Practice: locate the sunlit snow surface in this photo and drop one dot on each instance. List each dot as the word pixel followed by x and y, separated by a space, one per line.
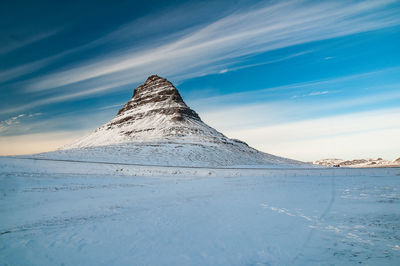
pixel 54 213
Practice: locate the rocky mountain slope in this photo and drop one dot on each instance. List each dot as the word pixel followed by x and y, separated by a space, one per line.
pixel 157 127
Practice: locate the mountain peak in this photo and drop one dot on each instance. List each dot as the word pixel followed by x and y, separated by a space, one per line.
pixel 153 78
pixel 156 126
pixel 158 95
pixel 156 112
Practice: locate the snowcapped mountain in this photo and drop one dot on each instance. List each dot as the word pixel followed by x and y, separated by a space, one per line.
pixel 157 127
pixel 155 113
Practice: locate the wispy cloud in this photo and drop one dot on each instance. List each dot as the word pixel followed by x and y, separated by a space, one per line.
pixel 262 29
pixel 113 106
pixel 24 69
pixel 361 81
pixel 313 93
pixel 364 134
pixel 225 117
pixel 65 96
pixel 12 121
pixel 13 42
pixel 265 63
pixel 36 65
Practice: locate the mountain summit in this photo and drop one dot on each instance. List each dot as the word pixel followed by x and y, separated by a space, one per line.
pixel 156 112
pixel 156 127
pixel 159 95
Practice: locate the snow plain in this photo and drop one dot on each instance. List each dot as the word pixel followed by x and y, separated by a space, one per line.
pixel 74 213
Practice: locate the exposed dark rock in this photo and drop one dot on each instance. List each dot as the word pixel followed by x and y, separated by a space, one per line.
pixel 157 90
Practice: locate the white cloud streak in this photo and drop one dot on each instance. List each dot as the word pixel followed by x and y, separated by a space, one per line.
pixel 265 63
pixel 30 67
pixel 6 124
pixel 21 70
pixel 14 43
pixel 264 29
pixel 12 120
pixel 60 98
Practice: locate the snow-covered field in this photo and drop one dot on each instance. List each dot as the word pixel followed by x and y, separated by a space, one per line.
pixel 182 153
pixel 74 213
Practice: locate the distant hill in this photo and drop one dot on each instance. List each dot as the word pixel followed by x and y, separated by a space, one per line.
pixel 379 162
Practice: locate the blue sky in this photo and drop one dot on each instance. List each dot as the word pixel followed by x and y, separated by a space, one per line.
pixel 303 79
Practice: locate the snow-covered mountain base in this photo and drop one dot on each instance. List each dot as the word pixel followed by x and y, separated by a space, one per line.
pixel 156 127
pixel 175 154
pixel 75 213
